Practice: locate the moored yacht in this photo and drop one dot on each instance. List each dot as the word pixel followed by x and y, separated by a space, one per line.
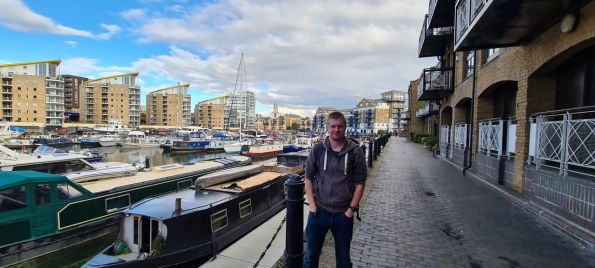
pixel 110 140
pixel 114 126
pixel 42 160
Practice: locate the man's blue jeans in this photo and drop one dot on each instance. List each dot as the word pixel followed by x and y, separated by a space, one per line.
pixel 318 225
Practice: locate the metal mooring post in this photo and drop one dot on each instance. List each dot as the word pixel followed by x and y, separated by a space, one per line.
pixel 294 246
pixel 370 153
pixel 376 149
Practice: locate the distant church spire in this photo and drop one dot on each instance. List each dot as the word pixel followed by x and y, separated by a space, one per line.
pixel 275 111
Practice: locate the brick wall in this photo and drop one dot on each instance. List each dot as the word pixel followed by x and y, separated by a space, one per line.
pixel 566 197
pixel 416 125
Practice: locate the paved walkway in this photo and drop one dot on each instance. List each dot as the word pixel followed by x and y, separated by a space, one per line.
pixel 422 212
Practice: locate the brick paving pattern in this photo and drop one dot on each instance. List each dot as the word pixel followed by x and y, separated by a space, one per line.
pixel 422 212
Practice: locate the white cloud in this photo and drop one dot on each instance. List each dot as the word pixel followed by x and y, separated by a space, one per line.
pixel 112 29
pixel 299 54
pixel 133 14
pixel 90 68
pixel 175 8
pixel 71 43
pixel 17 16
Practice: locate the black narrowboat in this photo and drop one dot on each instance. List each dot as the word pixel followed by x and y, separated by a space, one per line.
pixel 174 229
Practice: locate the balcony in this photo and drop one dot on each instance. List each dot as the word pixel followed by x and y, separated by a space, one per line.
pixel 431 108
pixel 433 41
pixel 435 84
pixel 482 24
pixel 405 115
pixel 441 13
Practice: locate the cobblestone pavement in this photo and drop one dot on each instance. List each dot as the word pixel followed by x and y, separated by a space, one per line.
pixel 422 212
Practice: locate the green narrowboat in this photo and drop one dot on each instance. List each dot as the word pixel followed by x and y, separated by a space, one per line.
pixel 41 212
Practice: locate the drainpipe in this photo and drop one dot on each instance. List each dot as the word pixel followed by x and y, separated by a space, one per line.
pixel 472 110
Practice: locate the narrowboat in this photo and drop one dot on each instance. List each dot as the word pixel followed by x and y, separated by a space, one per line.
pixel 53 142
pixel 189 147
pixel 46 212
pixel 264 149
pixel 216 146
pixel 90 139
pixel 177 228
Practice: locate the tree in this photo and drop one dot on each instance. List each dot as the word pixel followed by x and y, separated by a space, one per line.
pixel 294 126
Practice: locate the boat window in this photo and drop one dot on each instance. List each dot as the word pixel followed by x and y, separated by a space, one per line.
pixel 66 192
pixel 219 220
pixel 12 199
pixel 184 184
pixel 245 208
pixel 135 230
pixel 282 159
pixel 117 203
pixel 42 194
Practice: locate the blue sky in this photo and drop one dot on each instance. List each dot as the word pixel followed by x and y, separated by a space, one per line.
pixel 300 54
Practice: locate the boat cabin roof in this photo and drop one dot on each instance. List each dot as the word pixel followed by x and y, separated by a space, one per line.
pixel 157 173
pixel 162 207
pixel 16 178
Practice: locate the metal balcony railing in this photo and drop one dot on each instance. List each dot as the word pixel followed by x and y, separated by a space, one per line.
pixel 432 41
pixel 462 135
pixel 435 83
pixel 564 140
pixel 491 137
pixel 445 135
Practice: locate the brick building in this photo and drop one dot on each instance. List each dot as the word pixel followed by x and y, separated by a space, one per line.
pixel 116 96
pixel 514 93
pixel 169 106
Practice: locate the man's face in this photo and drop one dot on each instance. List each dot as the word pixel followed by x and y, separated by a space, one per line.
pixel 336 129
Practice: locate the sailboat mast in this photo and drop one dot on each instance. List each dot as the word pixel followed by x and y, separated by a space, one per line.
pixel 235 97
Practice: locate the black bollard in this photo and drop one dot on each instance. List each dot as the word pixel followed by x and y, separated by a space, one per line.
pixel 147 163
pixel 375 150
pixel 370 153
pixel 294 245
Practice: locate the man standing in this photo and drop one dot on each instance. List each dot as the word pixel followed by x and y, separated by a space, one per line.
pixel 335 176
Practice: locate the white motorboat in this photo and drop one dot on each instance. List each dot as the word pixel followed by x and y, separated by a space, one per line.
pixel 104 170
pixel 110 140
pixel 7 131
pixel 43 160
pixel 114 126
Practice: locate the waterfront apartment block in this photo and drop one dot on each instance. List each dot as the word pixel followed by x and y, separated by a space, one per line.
pixel 71 96
pixel 116 96
pixel 369 116
pixel 212 113
pixel 32 94
pixel 512 97
pixel 320 117
pixel 243 110
pixel 396 102
pixel 169 106
pixel 71 91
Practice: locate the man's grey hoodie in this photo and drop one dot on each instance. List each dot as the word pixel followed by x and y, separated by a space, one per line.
pixel 335 180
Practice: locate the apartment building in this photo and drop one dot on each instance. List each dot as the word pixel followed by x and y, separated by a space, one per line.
pixel 320 117
pixel 369 116
pixel 212 113
pixel 396 105
pixel 243 110
pixel 71 96
pixel 116 96
pixel 32 94
pixel 512 97
pixel 169 106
